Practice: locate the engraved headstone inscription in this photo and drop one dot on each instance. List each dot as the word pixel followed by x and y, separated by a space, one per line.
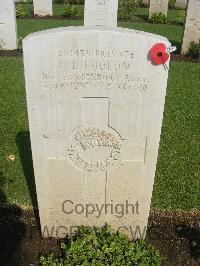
pixel 95 117
pixel 8 28
pixel 157 6
pixel 43 7
pixel 192 25
pixel 101 13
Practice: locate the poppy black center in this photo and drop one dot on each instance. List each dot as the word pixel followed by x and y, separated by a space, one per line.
pixel 159 54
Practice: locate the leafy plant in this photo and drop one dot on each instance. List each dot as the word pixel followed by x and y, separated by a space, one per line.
pixel 101 247
pixel 20 12
pixel 171 4
pixel 59 1
pixel 24 1
pixel 2 44
pixel 158 18
pixel 70 11
pixel 127 8
pixel 194 51
pixel 20 42
pixel 72 2
pixel 181 17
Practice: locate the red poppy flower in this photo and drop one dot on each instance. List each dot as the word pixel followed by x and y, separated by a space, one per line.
pixel 159 54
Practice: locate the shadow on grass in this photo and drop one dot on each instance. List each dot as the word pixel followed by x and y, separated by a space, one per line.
pixel 2 183
pixel 24 148
pixel 12 230
pixel 193 236
pixel 142 17
pixel 178 46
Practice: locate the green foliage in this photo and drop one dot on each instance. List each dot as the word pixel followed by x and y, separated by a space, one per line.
pixel 127 8
pixel 71 2
pixel 171 4
pixel 158 18
pixel 20 12
pixel 70 11
pixel 194 51
pixel 59 1
pixel 181 17
pixel 20 42
pixel 101 247
pixel 24 1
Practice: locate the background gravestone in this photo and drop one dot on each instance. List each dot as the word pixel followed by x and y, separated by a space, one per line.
pixel 181 3
pixel 192 25
pixel 8 28
pixel 158 6
pixel 101 13
pixel 95 117
pixel 43 7
pixel 145 2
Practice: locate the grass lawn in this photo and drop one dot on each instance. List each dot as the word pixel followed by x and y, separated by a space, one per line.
pixel 173 32
pixel 140 14
pixel 177 183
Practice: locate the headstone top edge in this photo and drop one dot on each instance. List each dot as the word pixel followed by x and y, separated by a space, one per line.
pixel 97 29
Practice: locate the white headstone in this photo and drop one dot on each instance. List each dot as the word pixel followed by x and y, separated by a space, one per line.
pixel 192 25
pixel 145 2
pixel 43 7
pixel 181 3
pixel 8 28
pixel 101 13
pixel 157 6
pixel 95 104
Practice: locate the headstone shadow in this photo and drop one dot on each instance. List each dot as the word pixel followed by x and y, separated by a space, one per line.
pixel 178 46
pixel 24 148
pixel 142 17
pixel 2 183
pixel 12 230
pixel 193 236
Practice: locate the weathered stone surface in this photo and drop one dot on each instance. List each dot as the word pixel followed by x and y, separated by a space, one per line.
pixel 181 3
pixel 158 6
pixel 95 104
pixel 43 7
pixel 192 25
pixel 8 28
pixel 145 2
pixel 101 13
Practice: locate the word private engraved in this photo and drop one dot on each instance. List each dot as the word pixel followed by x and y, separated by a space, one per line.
pixel 92 149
